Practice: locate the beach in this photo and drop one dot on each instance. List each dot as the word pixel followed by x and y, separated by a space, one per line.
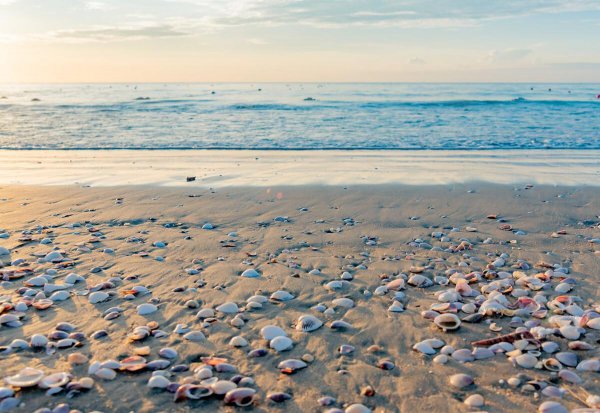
pixel 323 250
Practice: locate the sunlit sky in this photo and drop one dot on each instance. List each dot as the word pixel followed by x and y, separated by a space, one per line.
pixel 299 40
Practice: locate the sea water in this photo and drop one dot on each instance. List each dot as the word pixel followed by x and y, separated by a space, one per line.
pixel 300 116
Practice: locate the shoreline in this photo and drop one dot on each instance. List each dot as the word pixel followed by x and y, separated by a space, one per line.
pixel 231 168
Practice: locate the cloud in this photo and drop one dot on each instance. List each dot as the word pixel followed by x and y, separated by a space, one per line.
pixel 508 55
pixel 108 33
pixel 98 5
pixel 416 61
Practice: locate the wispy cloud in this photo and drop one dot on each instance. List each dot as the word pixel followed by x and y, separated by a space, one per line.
pixel 107 33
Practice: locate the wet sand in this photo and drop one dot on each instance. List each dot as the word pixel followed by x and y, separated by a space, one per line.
pixel 284 232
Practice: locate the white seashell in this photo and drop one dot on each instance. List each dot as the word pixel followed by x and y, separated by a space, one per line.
pixel 54 380
pixel 570 332
pixel 396 307
pixel 281 296
pixel 469 308
pixel 381 290
pixel 205 313
pixel 589 365
pixel 594 323
pixel 228 308
pixel 440 359
pixel 4 251
pixel 98 297
pixel 220 387
pixel 146 308
pixel 208 225
pixel 447 321
pixel 60 296
pixel 270 332
pixel 54 256
pixel 27 377
pixel 527 361
pixel 474 400
pixel 308 323
pixel 357 408
pixel 194 336
pixel 38 340
pixel 346 276
pixel 343 302
pixel 552 407
pixel 18 344
pixel 420 281
pixel 203 373
pixel 563 288
pixel 315 271
pixel 261 299
pixel 106 374
pixel 158 382
pixel 250 273
pixel 480 353
pixel 335 285
pixel 461 380
pixel 73 278
pixel 238 341
pixel 281 343
pixel 237 322
pixel 424 347
pixel 38 281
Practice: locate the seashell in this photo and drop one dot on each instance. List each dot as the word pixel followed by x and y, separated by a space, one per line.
pixel 168 353
pixel 307 323
pixel 447 322
pixel 552 407
pixel 261 299
pixel 237 322
pixel 290 366
pixel 270 332
pixel 481 353
pixel 66 343
pixel 281 343
pixel 38 341
pixel 461 381
pixel 474 400
pixel 9 403
pixel 206 313
pixel 192 391
pixel 473 318
pixel 238 341
pixel 463 355
pixel 203 373
pixel 27 377
pixel 242 396
pixel 580 346
pixel 6 392
pixel 589 365
pixel 55 380
pixel 259 352
pixel 105 373
pixel 340 325
pixel 326 401
pixel 357 408
pixel 42 304
pixel 396 307
pixel 133 364
pixel 228 308
pixel 346 276
pixel 527 361
pixel 552 391
pixel 281 296
pixel 98 297
pixel 380 291
pixel 110 364
pixel 225 368
pixel 96 335
pixel 77 358
pixel 73 278
pixel 60 296
pixel 221 387
pixel 146 308
pixel 551 364
pixel 194 336
pixel 279 397
pixel 593 323
pixel 159 364
pixel 570 332
pixel 346 349
pixel 343 302
pixel 158 382
pixel 550 346
pixel 424 347
pixel 397 284
pixel 567 358
pixel 385 364
pixel 250 273
pixel 440 359
pixel 420 281
pixel 570 376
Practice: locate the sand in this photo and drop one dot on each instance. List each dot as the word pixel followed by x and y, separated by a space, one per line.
pixel 284 253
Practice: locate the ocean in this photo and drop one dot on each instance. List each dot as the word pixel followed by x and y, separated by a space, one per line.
pixel 300 116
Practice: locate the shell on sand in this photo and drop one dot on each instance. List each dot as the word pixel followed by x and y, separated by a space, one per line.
pixel 227 308
pixel 27 377
pixel 308 323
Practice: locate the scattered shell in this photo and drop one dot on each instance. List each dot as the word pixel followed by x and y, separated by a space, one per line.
pixel 461 380
pixel 308 323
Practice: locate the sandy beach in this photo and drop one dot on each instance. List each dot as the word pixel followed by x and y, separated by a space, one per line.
pixel 348 253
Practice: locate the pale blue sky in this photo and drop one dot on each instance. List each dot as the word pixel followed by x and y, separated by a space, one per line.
pixel 299 40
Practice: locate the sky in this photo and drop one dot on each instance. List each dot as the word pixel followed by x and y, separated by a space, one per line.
pixel 299 40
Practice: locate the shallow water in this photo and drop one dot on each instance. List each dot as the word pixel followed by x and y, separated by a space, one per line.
pixel 277 116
